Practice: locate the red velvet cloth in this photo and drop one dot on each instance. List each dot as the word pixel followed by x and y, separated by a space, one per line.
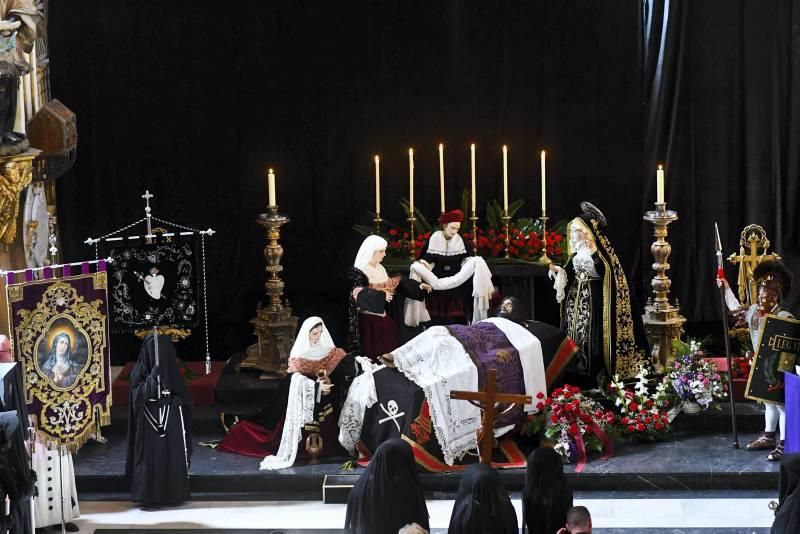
pixel 250 439
pixel 378 335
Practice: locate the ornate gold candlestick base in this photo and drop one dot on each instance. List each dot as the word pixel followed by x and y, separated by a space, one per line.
pixel 377 220
pixel 412 251
pixel 663 321
pixel 474 220
pixel 274 324
pixel 507 224
pixel 544 259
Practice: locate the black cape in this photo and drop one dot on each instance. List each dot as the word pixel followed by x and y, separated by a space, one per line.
pixel 787 516
pixel 547 495
pixel 16 477
pixel 482 504
pixel 157 465
pixel 388 495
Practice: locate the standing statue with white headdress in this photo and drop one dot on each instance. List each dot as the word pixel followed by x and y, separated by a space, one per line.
pixel 308 400
pixel 375 300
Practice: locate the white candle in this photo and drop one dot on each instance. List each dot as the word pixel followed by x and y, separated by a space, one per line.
pixel 411 182
pixel 660 185
pixel 35 78
pixel 505 179
pixel 472 162
pixel 544 186
pixel 271 187
pixel 441 176
pixel 377 185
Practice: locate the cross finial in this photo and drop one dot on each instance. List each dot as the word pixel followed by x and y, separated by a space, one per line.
pixel 147 196
pixel 53 249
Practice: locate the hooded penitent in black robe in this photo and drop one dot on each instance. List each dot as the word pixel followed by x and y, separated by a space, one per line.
pixel 482 504
pixel 787 516
pixel 388 495
pixel 547 495
pixel 158 464
pixel 16 478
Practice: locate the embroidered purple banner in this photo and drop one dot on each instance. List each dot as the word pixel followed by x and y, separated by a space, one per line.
pixel 60 331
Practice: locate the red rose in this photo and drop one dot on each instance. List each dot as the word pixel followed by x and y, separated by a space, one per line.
pixel 631 428
pixel 540 395
pixel 553 419
pixel 573 429
pixel 569 407
pixel 628 394
pixel 640 427
pixel 548 401
pixel 598 414
pixel 567 394
pixel 624 421
pixel 393 232
pixel 405 235
pixel 649 403
pixel 658 426
pixel 556 392
pixel 633 406
pixel 586 418
pixel 610 419
pixel 666 403
pixel 540 406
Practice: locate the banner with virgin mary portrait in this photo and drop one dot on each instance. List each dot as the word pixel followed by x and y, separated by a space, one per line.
pixel 59 329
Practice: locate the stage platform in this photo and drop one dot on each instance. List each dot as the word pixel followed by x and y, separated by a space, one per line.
pixel 697 457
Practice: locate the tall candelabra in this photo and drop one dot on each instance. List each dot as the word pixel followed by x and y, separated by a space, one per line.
pixel 274 324
pixel 662 320
pixel 412 252
pixel 507 224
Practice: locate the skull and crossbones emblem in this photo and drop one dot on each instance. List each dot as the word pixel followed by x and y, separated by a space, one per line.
pixel 391 410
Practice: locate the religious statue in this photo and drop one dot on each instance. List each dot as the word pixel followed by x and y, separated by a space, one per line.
pixel 20 22
pixel 596 307
pixel 773 282
pixel 443 254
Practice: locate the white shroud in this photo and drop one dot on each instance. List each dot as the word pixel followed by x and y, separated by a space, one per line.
pixel 474 267
pixel 437 363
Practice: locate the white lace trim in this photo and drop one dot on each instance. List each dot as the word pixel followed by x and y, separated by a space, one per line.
pixel 299 412
pixel 440 245
pixel 437 363
pixel 361 395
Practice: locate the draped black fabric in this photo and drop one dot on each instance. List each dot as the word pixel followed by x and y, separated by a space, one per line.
pixel 158 465
pixel 388 495
pixel 547 495
pixel 482 505
pixel 16 477
pixel 787 516
pixel 195 102
pixel 722 94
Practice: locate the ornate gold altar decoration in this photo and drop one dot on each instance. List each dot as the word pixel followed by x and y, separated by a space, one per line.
pixel 16 173
pixel 68 408
pixel 274 324
pixel 662 320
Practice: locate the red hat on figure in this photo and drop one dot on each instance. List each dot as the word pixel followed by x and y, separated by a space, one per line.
pixel 452 216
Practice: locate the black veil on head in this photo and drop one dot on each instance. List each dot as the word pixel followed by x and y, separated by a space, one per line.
pixel 482 504
pixel 171 378
pixel 547 495
pixel 388 495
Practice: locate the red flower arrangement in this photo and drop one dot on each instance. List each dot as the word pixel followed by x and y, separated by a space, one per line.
pixel 741 367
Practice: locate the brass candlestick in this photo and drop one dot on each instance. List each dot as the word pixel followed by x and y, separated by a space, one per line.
pixel 274 324
pixel 506 221
pixel 662 320
pixel 544 259
pixel 412 250
pixel 377 220
pixel 474 219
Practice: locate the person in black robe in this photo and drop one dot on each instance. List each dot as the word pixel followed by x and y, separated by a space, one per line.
pixel 388 495
pixel 482 504
pixel 547 496
pixel 787 515
pixel 159 446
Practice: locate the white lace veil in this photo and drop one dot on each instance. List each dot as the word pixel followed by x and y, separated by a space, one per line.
pixel 302 345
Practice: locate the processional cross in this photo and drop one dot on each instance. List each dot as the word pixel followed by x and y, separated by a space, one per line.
pixel 755 238
pixel 488 401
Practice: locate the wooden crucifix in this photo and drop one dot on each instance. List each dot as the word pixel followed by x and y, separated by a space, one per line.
pixel 486 401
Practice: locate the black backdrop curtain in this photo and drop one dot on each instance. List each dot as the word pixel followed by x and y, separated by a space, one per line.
pixel 194 100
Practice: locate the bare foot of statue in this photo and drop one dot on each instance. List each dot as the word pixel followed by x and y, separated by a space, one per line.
pixel 387 360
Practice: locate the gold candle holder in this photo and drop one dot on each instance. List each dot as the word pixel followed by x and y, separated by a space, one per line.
pixel 274 323
pixel 474 220
pixel 662 320
pixel 544 259
pixel 412 251
pixel 506 223
pixel 377 220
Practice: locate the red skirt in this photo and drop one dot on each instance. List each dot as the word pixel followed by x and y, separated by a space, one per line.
pixel 250 439
pixel 378 335
pixel 446 305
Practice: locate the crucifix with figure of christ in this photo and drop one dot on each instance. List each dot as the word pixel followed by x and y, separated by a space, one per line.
pixel 487 401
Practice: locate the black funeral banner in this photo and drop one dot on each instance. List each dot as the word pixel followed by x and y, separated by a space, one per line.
pixel 154 285
pixel 777 352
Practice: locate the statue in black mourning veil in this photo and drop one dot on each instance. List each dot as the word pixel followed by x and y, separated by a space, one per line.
pixel 20 23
